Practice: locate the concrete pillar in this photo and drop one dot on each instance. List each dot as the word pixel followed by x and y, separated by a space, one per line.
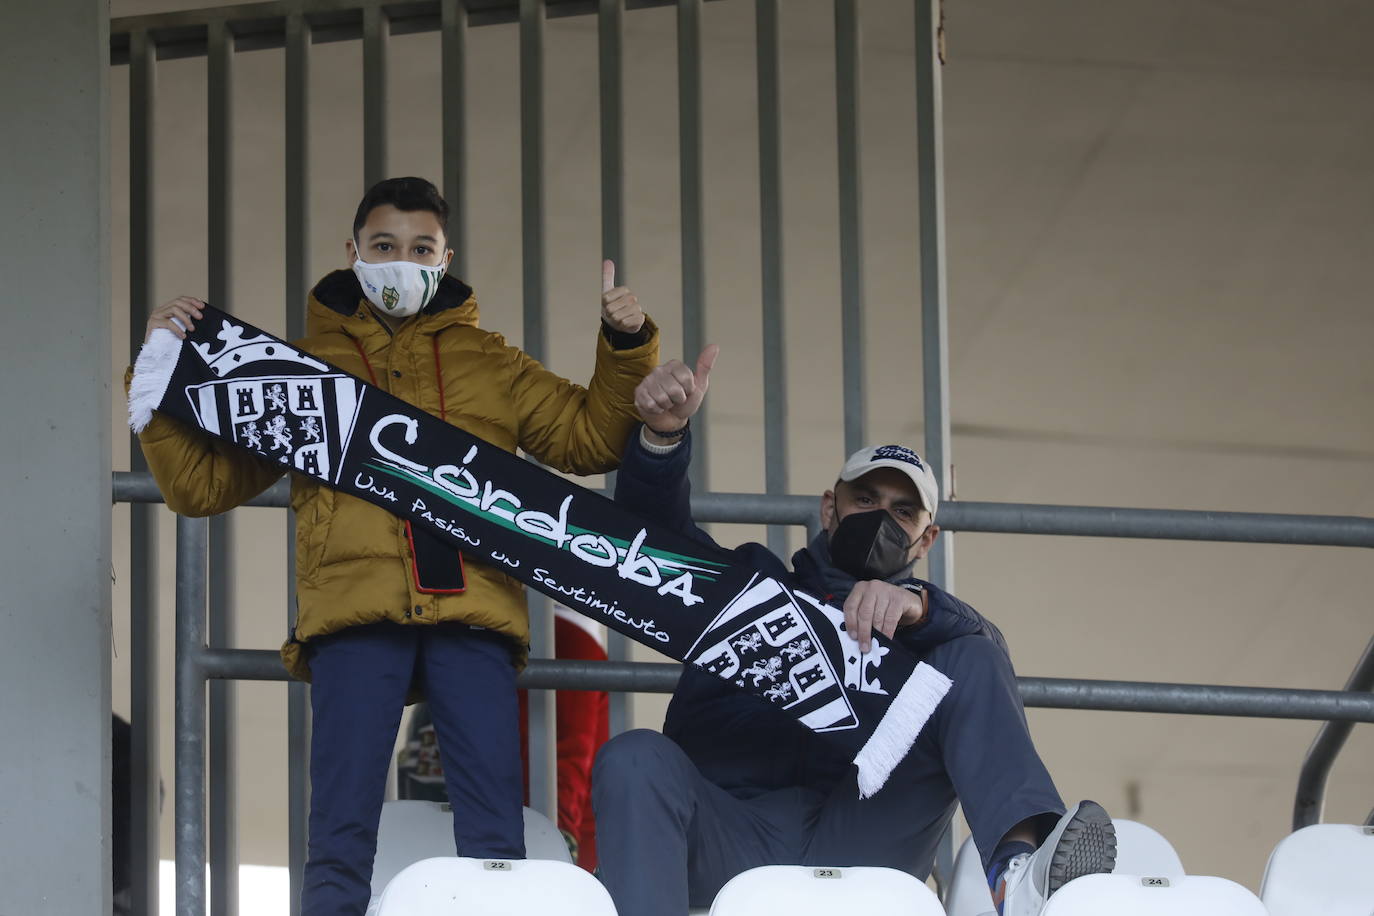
pixel 55 377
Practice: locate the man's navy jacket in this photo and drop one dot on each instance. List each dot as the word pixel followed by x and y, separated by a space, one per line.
pixel 739 741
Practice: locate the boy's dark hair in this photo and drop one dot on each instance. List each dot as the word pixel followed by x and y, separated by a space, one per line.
pixel 404 194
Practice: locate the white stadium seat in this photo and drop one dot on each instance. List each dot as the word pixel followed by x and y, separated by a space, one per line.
pixel 1325 868
pixel 800 890
pixel 968 893
pixel 1140 850
pixel 543 840
pixel 414 830
pixel 1153 895
pixel 494 887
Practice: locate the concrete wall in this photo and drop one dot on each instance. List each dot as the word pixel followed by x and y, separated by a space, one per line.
pixel 55 450
pixel 1160 215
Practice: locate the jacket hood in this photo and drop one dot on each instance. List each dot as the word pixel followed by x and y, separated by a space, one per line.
pixel 337 303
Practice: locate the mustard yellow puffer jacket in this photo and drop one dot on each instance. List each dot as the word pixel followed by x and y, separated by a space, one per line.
pixel 353 561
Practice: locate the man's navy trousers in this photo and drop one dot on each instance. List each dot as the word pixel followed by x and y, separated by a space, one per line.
pixel 670 834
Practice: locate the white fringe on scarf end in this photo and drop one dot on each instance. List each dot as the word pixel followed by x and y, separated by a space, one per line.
pixel 897 731
pixel 152 372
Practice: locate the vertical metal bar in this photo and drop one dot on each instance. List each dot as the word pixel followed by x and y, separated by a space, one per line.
pixel 222 765
pixel 376 30
pixel 618 712
pixel 610 52
pixel 942 869
pixel 693 219
pixel 610 31
pixel 934 308
pixel 219 61
pixel 543 714
pixel 851 221
pixel 297 129
pixel 770 247
pixel 191 556
pixel 143 650
pixel 1331 737
pixel 542 717
pixel 453 49
pixel 934 294
pixel 532 175
pixel 298 757
pixel 221 770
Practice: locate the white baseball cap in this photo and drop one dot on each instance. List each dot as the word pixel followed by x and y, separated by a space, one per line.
pixel 900 458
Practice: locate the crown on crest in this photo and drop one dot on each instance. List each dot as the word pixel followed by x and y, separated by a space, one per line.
pixel 238 351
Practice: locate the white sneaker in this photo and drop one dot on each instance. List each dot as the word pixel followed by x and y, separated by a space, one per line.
pixel 1082 843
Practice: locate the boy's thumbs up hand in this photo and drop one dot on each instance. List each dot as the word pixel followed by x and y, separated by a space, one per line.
pixel 619 307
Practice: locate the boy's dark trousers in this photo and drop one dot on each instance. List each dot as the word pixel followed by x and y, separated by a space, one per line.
pixel 360 678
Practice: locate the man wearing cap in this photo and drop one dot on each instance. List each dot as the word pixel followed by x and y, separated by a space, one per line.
pixel 733 784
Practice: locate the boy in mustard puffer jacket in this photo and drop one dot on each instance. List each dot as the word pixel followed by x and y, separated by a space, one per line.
pixel 383 609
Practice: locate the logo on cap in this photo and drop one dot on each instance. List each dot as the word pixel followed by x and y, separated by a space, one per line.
pixel 897 453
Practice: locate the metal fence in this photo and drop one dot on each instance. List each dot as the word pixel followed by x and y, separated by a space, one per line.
pixel 198 664
pixel 203 739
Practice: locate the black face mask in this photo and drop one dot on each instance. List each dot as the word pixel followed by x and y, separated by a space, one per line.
pixel 870 545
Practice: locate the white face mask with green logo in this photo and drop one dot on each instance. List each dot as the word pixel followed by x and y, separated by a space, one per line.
pixel 399 288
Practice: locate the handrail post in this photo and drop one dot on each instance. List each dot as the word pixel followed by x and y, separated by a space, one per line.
pixel 192 557
pixel 1316 767
pixel 934 313
pixel 220 735
pixel 543 714
pixel 143 630
pixel 297 232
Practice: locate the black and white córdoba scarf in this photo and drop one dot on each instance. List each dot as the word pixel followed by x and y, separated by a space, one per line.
pixel 686 599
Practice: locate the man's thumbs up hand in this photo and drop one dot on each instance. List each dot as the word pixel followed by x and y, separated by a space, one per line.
pixel 669 395
pixel 619 307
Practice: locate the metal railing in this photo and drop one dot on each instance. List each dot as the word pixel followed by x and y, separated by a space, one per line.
pixel 1321 756
pixel 218 33
pixel 197 663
